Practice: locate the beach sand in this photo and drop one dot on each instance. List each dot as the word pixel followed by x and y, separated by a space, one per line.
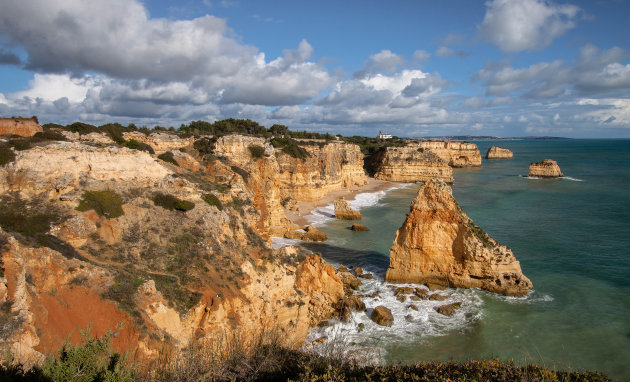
pixel 305 208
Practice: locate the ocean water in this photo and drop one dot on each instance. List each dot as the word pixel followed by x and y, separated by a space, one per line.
pixel 571 235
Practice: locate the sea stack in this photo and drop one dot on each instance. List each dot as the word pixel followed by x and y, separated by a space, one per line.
pixel 344 211
pixel 545 169
pixel 496 152
pixel 439 244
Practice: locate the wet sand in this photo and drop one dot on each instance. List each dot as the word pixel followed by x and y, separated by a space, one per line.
pixel 305 208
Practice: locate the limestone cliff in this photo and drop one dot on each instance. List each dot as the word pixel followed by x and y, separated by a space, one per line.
pixel 410 164
pixel 496 152
pixel 439 244
pixel 334 166
pixel 160 141
pixel 25 127
pixel 545 169
pixel 168 275
pixel 456 154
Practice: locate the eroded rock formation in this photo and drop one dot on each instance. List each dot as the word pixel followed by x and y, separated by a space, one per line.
pixel 456 154
pixel 344 211
pixel 25 127
pixel 439 244
pixel 545 169
pixel 496 152
pixel 410 164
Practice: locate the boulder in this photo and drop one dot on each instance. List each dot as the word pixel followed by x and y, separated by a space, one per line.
pixel 367 276
pixel 344 211
pixel 546 168
pixel 449 310
pixel 382 316
pixel 437 297
pixel 313 234
pixel 413 307
pixel 359 227
pixel 439 244
pixel 422 293
pixel 496 152
pixel 358 271
pixel 403 290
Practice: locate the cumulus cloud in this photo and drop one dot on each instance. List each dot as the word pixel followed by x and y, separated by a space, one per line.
pixel 518 25
pixel 8 58
pixel 593 72
pixel 382 62
pixel 421 55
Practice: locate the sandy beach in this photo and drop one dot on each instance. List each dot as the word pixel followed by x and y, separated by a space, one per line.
pixel 305 208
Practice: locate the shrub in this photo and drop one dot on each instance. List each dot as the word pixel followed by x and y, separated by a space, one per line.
pixel 290 147
pixel 20 144
pixel 205 145
pixel 92 360
pixel 244 174
pixel 6 155
pixel 48 135
pixel 256 151
pixel 212 200
pixel 168 157
pixel 82 128
pixel 171 203
pixel 115 131
pixel 106 203
pixel 135 145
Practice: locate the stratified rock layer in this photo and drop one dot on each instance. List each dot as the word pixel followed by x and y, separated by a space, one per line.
pixel 344 211
pixel 410 164
pixel 456 154
pixel 545 169
pixel 25 127
pixel 496 152
pixel 439 244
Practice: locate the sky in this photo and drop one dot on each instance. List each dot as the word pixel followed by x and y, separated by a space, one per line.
pixel 410 68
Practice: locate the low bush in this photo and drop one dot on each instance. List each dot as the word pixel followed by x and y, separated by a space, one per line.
pixel 212 200
pixel 106 203
pixel 205 145
pixel 20 144
pixel 48 135
pixel 168 157
pixel 135 145
pixel 244 174
pixel 171 203
pixel 291 147
pixel 6 154
pixel 256 151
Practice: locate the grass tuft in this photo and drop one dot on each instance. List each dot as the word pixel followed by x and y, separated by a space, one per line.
pixel 171 202
pixel 106 203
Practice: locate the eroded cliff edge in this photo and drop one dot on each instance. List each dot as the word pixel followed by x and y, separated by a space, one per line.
pixel 438 243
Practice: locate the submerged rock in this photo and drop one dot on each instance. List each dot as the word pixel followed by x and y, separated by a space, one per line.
pixel 439 244
pixel 344 211
pixel 359 227
pixel 545 169
pixel 382 316
pixel 449 310
pixel 496 152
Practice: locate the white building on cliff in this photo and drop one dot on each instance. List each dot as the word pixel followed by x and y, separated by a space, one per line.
pixel 383 136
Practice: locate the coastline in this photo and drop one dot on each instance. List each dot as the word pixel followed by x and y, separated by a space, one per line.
pixel 306 208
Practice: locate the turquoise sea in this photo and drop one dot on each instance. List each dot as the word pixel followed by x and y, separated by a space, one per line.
pixel 571 235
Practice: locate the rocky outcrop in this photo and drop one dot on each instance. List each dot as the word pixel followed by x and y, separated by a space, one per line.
pixel 333 166
pixel 25 127
pixel 382 316
pixel 359 227
pixel 449 309
pixel 344 211
pixel 439 244
pixel 160 142
pixel 496 152
pixel 456 154
pixel 545 169
pixel 410 164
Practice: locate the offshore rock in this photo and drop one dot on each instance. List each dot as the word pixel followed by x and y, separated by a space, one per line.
pixel 496 152
pixel 545 169
pixel 449 309
pixel 382 316
pixel 410 164
pixel 456 154
pixel 344 211
pixel 25 127
pixel 439 244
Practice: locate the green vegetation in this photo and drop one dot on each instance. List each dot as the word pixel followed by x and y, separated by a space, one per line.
pixel 122 290
pixel 6 154
pixel 256 151
pixel 177 295
pixel 168 157
pixel 93 359
pixel 18 216
pixel 135 145
pixel 291 147
pixel 48 135
pixel 106 203
pixel 370 146
pixel 244 174
pixel 212 200
pixel 205 146
pixel 171 203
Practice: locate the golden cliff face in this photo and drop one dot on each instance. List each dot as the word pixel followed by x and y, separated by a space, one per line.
pixel 335 166
pixel 411 164
pixel 160 142
pixel 178 275
pixel 545 169
pixel 25 127
pixel 496 152
pixel 456 154
pixel 439 244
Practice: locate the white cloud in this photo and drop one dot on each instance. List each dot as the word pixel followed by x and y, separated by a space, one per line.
pixel 421 55
pixel 382 62
pixel 50 87
pixel 518 25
